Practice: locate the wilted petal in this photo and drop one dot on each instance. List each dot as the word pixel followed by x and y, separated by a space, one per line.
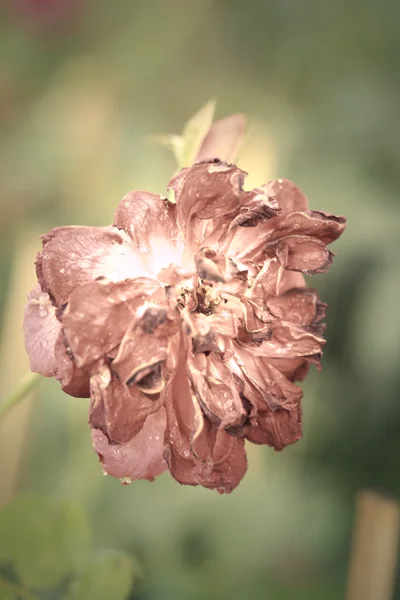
pixel 123 410
pixel 42 329
pixel 200 214
pixel 216 391
pixel 298 305
pixel 256 207
pixel 303 253
pixel 190 437
pixel 150 221
pixel 287 195
pixel 277 429
pixel 73 256
pixel 141 457
pixel 98 314
pixel 230 464
pixel 326 227
pixel 140 360
pixel 74 380
pixel 223 139
pixel 290 341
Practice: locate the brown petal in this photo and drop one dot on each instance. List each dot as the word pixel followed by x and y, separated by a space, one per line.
pixel 98 314
pixel 223 139
pixel 323 226
pixel 140 359
pixel 216 391
pixel 277 429
pixel 73 256
pixel 124 411
pixel 205 194
pixel 74 381
pixel 41 328
pixel 190 438
pixel 303 253
pixel 287 195
pixel 230 464
pixel 256 207
pixel 268 387
pixel 139 458
pixel 150 221
pixel 290 341
pixel 298 306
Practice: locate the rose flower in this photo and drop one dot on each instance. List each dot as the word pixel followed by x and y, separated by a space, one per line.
pixel 186 323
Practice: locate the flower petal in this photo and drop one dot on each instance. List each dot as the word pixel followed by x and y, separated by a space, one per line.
pixel 74 381
pixel 223 139
pixel 287 195
pixel 150 221
pixel 141 457
pixel 42 329
pixel 120 413
pixel 140 359
pixel 277 429
pixel 326 227
pixel 73 256
pixel 199 215
pixel 298 305
pixel 99 313
pixel 303 253
pixel 216 391
pixel 230 464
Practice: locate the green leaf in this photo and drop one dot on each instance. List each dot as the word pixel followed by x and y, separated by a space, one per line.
pixel 107 575
pixel 194 133
pixel 44 540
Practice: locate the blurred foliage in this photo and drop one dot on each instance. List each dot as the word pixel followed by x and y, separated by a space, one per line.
pixel 84 89
pixel 47 545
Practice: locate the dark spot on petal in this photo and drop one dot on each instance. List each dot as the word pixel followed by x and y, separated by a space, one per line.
pixel 152 318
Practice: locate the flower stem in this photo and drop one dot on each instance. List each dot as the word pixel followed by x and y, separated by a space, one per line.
pixel 26 385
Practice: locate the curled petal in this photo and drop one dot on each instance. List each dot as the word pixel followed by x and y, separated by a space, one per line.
pixel 303 253
pixel 287 195
pixel 223 139
pixel 74 380
pixel 277 429
pixel 256 207
pixel 99 313
pixel 298 305
pixel 326 227
pixel 73 256
pixel 41 328
pixel 230 464
pixel 216 391
pixel 118 411
pixel 140 359
pixel 139 458
pixel 290 341
pixel 200 215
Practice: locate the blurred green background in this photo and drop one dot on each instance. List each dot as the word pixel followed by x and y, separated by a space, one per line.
pixel 83 87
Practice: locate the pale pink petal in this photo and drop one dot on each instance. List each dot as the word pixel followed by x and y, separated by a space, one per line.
pixel 72 256
pixel 42 329
pixel 223 139
pixel 141 457
pixel 150 221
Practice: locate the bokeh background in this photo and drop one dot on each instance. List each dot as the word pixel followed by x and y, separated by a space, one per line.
pixel 84 88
